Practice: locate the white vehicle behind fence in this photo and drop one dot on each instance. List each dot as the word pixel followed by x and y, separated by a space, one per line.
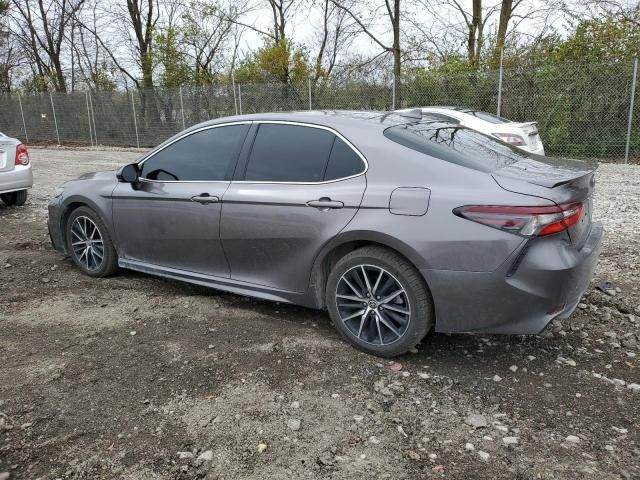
pixel 522 135
pixel 15 171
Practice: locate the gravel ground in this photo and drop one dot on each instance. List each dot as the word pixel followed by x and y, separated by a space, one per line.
pixel 136 377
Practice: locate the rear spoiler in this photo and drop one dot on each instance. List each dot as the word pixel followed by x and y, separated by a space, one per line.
pixel 525 124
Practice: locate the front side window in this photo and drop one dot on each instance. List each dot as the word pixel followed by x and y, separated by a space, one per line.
pixel 207 155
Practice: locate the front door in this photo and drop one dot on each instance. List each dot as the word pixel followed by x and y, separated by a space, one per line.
pixel 171 218
pixel 300 185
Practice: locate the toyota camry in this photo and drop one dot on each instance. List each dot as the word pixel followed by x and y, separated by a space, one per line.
pixel 395 223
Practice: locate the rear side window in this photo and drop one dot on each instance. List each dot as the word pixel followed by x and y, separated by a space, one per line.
pixel 289 153
pixel 207 155
pixel 343 162
pixel 458 145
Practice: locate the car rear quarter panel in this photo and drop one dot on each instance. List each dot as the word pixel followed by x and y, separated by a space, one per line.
pixel 440 239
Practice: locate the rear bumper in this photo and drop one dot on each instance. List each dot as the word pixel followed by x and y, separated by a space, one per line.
pixel 20 178
pixel 542 280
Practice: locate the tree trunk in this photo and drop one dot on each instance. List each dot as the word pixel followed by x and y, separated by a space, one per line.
pixel 60 82
pixel 397 59
pixel 505 16
pixel 475 32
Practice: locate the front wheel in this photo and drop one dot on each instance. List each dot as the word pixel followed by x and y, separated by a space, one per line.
pixel 379 302
pixel 89 243
pixel 15 198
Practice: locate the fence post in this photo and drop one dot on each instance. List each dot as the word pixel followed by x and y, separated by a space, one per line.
pixel 95 130
pixel 500 85
pixel 86 96
pixel 309 83
pixel 55 120
pixel 24 124
pixel 633 97
pixel 393 93
pixel 182 108
pixel 240 99
pixel 233 87
pixel 135 121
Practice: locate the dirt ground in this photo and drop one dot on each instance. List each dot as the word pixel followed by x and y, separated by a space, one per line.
pixel 135 377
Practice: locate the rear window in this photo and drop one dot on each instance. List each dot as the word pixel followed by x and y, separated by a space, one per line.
pixel 454 144
pixel 487 117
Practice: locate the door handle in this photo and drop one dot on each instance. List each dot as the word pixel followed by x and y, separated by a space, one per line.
pixel 325 203
pixel 205 198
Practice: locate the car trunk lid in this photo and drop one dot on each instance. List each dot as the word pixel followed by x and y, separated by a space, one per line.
pixel 562 181
pixel 7 154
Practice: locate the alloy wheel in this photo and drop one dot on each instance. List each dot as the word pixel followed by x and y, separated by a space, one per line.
pixel 87 243
pixel 373 305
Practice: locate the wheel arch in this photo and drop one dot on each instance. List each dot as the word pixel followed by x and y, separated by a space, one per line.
pixel 73 203
pixel 341 245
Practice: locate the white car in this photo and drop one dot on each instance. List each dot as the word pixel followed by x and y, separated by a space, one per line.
pixel 522 135
pixel 15 171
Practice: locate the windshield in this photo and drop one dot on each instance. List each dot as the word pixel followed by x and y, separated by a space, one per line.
pixel 456 144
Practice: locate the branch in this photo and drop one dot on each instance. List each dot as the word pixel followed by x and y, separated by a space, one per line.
pixel 362 26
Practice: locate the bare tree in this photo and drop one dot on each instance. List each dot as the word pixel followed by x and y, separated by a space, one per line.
pixel 143 16
pixel 207 34
pixel 281 13
pixel 336 34
pixel 280 10
pixel 41 25
pixel 393 16
pixel 4 44
pixel 89 56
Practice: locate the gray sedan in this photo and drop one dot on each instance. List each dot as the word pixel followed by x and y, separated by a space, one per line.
pixel 395 223
pixel 15 171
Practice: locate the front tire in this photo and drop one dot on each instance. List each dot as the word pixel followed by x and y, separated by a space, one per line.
pixel 89 243
pixel 379 302
pixel 18 198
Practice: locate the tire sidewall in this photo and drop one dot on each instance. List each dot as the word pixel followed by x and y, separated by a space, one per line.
pixel 419 322
pixel 109 259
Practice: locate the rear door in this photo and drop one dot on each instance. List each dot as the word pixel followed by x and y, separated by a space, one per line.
pixel 296 188
pixel 171 218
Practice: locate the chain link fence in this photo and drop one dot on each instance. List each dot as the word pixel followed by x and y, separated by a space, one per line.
pixel 581 110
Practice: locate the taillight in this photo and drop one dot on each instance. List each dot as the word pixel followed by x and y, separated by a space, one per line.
pixel 511 138
pixel 525 221
pixel 22 155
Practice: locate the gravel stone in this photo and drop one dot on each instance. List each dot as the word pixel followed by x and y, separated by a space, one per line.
pixel 484 456
pixel 476 420
pixel 293 424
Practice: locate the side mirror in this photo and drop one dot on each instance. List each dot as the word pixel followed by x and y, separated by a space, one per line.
pixel 129 173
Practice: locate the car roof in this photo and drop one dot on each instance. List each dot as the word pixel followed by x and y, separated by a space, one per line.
pixel 330 118
pixel 346 122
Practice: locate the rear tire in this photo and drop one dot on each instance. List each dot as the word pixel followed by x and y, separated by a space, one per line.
pixel 89 243
pixel 18 198
pixel 396 314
